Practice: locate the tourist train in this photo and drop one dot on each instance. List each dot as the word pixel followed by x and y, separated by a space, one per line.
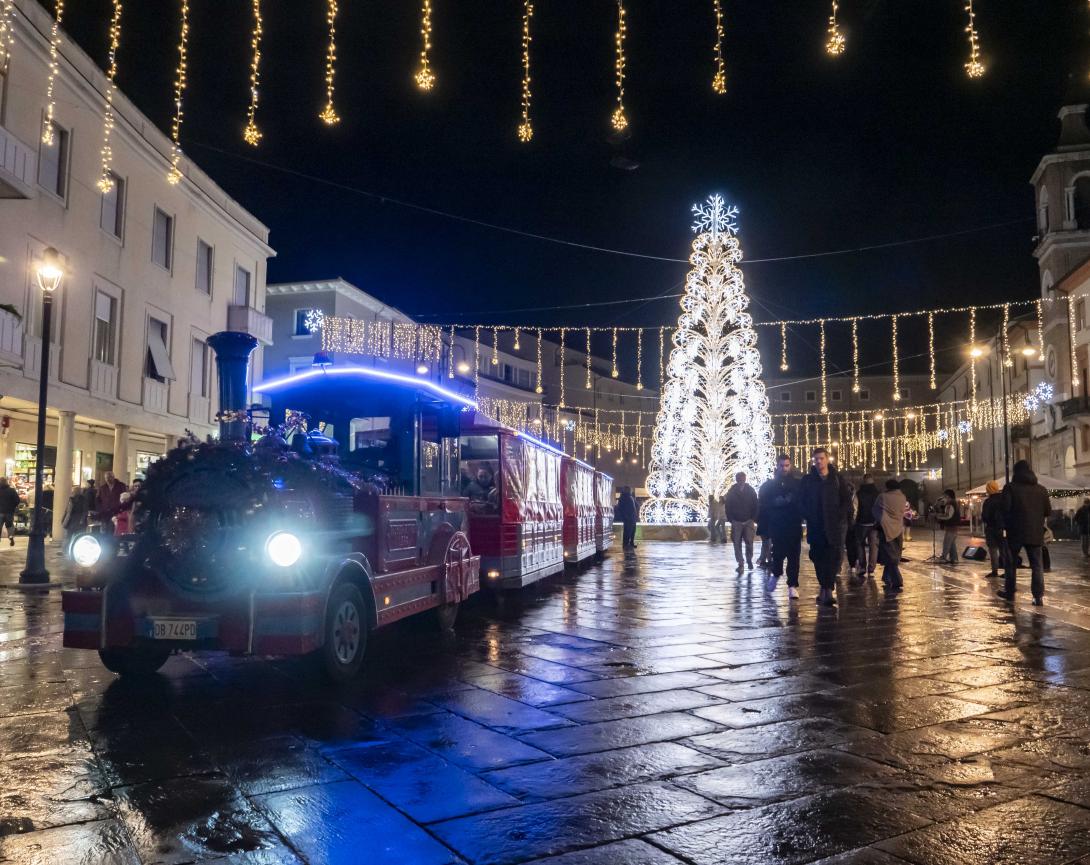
pixel 379 497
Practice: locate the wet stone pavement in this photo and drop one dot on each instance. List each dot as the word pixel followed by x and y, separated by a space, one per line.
pixel 652 710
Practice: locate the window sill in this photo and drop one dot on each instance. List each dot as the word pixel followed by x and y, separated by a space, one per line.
pixel 119 240
pixel 49 193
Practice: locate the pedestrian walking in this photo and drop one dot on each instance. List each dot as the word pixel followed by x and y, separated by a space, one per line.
pixel 946 511
pixel 1026 506
pixel 717 519
pixel 866 530
pixel 888 512
pixel 1082 520
pixel 626 513
pixel 991 514
pixel 9 504
pixel 742 514
pixel 779 505
pixel 826 506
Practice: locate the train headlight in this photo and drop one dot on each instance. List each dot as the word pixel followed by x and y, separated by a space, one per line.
pixel 86 551
pixel 283 548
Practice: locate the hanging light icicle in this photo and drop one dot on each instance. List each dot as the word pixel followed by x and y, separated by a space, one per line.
pixel 639 359
pixel 1006 336
pixel 425 78
pixel 495 347
pixel 589 385
pixel 526 129
pixel 834 42
pixel 616 373
pixel 477 361
pixel 1071 338
pixel 7 32
pixel 931 348
pixel 329 114
pixel 518 342
pixel 783 347
pixel 539 388
pixel 174 175
pixel 974 353
pixel 619 120
pixel 719 80
pixel 251 134
pixel 824 377
pixel 974 68
pixel 563 333
pixel 662 357
pixel 450 360
pixel 855 355
pixel 105 177
pixel 896 364
pixel 48 138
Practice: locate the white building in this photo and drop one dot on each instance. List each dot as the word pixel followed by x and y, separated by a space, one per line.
pixel 152 269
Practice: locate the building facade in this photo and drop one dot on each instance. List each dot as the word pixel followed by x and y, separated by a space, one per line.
pixel 151 270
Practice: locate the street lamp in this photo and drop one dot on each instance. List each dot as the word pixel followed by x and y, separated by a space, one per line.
pixel 49 270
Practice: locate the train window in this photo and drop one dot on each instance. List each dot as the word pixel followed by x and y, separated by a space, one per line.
pixel 478 468
pixel 438 460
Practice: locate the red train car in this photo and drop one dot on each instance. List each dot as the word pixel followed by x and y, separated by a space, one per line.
pixel 580 510
pixel 286 547
pixel 603 501
pixel 516 511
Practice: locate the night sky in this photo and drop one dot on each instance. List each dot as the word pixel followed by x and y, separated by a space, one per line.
pixel 888 142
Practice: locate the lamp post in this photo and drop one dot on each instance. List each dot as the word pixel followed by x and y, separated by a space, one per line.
pixel 48 272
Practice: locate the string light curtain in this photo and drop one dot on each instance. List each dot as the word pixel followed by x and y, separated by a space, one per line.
pixel 835 43
pixel 329 114
pixel 619 120
pixel 48 138
pixel 105 178
pixel 174 175
pixel 974 68
pixel 251 134
pixel 7 32
pixel 526 128
pixel 719 79
pixel 425 78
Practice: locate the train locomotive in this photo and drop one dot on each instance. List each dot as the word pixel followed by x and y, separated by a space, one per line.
pixel 374 500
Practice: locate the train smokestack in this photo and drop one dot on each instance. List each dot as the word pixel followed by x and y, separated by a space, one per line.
pixel 233 350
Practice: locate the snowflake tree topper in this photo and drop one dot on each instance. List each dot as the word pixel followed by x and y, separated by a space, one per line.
pixel 715 216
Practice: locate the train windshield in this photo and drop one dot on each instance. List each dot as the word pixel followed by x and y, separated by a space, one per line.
pixel 479 471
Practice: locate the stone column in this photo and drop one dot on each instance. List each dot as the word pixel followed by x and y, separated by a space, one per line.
pixel 62 472
pixel 121 452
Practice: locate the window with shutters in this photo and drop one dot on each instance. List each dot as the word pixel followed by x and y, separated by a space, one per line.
pixel 242 286
pixel 53 163
pixel 157 364
pixel 198 372
pixel 112 215
pixel 205 256
pixel 105 333
pixel 162 239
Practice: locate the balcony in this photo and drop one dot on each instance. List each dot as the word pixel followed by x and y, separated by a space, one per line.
pixel 156 394
pixel 32 358
pixel 1020 431
pixel 1075 407
pixel 11 338
pixel 198 409
pixel 102 378
pixel 18 166
pixel 246 319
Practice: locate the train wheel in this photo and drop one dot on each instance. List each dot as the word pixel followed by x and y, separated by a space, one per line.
pixel 133 662
pixel 445 616
pixel 345 633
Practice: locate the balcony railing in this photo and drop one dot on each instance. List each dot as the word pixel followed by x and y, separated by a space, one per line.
pixel 11 337
pixel 1074 407
pixel 156 394
pixel 103 380
pixel 32 358
pixel 198 408
pixel 1020 431
pixel 18 165
pixel 246 319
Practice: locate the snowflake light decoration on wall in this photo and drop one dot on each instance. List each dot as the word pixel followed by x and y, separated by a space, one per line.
pixel 1040 395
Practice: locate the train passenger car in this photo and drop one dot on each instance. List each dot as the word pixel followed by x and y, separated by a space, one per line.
pixel 603 500
pixel 299 543
pixel 516 514
pixel 580 510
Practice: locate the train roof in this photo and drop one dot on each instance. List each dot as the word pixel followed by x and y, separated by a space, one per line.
pixel 378 388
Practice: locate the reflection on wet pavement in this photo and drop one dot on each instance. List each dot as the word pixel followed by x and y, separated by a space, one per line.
pixel 653 709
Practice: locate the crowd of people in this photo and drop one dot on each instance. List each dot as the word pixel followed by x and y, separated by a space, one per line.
pixel 107 507
pixel 867 526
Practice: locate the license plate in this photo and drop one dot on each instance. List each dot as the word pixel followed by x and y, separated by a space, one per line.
pixel 173 629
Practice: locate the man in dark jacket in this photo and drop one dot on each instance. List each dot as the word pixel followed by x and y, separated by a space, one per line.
pixel 866 529
pixel 826 505
pixel 626 513
pixel 9 504
pixel 109 497
pixel 1026 506
pixel 781 515
pixel 991 514
pixel 1082 520
pixel 742 516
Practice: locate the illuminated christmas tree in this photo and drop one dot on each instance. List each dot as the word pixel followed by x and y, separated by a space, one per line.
pixel 713 416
